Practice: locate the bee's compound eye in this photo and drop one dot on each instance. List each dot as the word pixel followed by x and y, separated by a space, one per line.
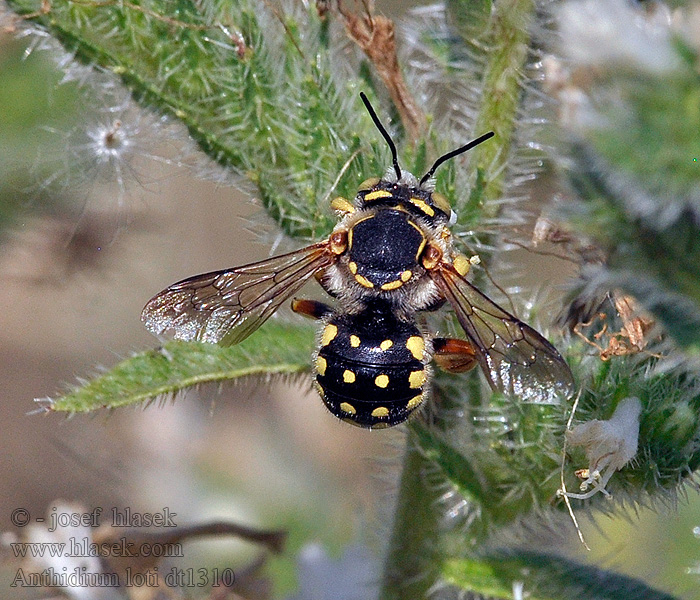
pixel 441 203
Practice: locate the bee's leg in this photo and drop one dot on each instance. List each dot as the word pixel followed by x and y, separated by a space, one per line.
pixel 454 355
pixel 311 308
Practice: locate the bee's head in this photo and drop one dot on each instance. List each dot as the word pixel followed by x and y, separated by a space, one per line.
pixel 405 179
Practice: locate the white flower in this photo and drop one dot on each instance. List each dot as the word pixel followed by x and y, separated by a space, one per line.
pixel 602 32
pixel 609 446
pixel 353 576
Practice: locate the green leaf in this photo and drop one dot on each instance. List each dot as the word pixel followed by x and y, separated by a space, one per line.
pixel 544 577
pixel 469 17
pixel 234 93
pixel 176 366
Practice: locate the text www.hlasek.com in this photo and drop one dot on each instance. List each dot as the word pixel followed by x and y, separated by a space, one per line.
pixel 85 548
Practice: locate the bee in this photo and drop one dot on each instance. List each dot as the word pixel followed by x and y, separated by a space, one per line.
pixel 389 259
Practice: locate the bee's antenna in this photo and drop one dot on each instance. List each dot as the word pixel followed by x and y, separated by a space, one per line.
pixel 384 132
pixel 454 153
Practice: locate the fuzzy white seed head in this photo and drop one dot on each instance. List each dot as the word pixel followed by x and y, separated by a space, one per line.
pixel 109 142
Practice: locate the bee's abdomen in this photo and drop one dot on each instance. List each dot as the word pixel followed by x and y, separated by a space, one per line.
pixel 371 368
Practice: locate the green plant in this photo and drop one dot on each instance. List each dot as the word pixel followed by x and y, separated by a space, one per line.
pixel 261 90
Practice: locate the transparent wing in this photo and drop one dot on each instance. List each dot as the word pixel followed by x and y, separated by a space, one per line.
pixel 227 306
pixel 516 359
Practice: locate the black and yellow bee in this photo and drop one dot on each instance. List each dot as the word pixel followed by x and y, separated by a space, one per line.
pixel 389 258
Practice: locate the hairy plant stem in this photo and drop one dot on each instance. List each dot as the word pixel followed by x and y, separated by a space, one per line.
pixel 506 49
pixel 414 561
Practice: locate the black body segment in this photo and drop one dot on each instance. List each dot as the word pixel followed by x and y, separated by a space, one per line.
pixel 385 247
pixel 390 258
pixel 371 367
pixel 418 202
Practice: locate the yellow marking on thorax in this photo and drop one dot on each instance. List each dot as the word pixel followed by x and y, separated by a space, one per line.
pixel 353 267
pixel 422 205
pixel 416 379
pixel 416 346
pixel 422 242
pixel 392 285
pixel 321 365
pixel 329 333
pixel 354 341
pixel 386 344
pixel 381 381
pixel 346 407
pixel 380 411
pixel 363 281
pixel 348 376
pixel 377 194
pixel 406 275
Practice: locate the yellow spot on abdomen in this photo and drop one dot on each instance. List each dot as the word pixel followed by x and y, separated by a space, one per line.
pixel 354 341
pixel 416 346
pixel 386 344
pixel 321 365
pixel 380 411
pixel 414 402
pixel 416 379
pixel 348 376
pixel 319 389
pixel 329 333
pixel 381 381
pixel 377 194
pixel 346 407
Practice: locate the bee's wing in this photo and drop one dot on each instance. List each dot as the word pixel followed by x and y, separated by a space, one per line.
pixel 229 305
pixel 516 359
